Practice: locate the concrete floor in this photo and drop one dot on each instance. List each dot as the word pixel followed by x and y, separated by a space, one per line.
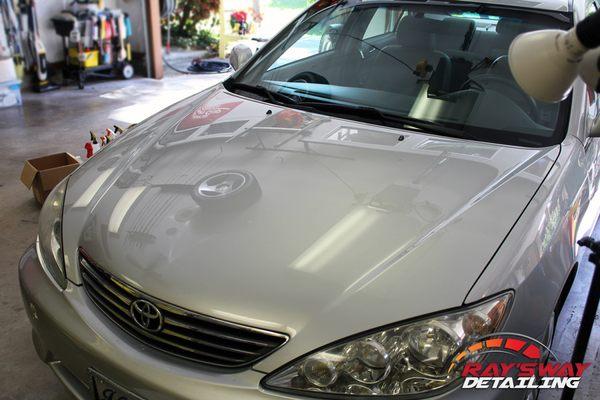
pixel 60 121
pixel 49 123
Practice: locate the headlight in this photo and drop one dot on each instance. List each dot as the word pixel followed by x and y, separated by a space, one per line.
pixel 409 358
pixel 50 249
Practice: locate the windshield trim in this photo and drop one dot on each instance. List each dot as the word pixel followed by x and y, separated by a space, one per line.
pixel 472 133
pixel 483 134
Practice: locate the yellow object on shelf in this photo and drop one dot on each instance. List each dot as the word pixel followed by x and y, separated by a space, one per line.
pixel 88 59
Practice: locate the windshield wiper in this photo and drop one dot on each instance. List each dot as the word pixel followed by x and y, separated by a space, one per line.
pixel 361 113
pixel 266 94
pixel 371 114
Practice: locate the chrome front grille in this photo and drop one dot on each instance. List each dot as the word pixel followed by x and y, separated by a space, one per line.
pixel 183 333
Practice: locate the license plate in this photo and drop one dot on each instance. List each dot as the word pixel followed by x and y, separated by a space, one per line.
pixel 105 389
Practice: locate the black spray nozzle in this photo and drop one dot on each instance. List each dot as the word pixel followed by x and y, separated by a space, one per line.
pixel 594 246
pixel 590 243
pixel 588 31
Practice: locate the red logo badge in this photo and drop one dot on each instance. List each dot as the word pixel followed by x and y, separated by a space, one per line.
pixel 205 115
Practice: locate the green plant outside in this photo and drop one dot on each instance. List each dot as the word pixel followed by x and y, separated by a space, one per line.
pixel 291 4
pixel 191 25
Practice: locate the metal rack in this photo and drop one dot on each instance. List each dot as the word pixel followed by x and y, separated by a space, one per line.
pixel 96 44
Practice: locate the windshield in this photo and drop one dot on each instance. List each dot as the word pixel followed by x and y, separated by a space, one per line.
pixel 442 65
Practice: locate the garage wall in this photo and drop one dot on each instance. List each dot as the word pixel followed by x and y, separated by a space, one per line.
pixel 46 9
pixel 135 10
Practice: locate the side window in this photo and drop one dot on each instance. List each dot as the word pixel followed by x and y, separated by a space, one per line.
pixel 591 7
pixel 384 20
pixel 320 38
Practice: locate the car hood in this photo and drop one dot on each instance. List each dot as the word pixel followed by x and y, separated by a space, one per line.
pixel 303 223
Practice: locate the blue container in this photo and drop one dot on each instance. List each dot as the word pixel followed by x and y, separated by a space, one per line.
pixel 10 94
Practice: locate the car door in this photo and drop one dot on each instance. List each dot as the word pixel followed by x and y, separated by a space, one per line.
pixel 591 157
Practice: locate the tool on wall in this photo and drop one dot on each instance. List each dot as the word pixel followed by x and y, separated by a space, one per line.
pixel 13 31
pixel 128 32
pixel 38 60
pixel 122 37
pixel 107 41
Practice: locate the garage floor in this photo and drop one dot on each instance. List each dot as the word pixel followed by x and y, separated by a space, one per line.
pixel 60 121
pixel 49 123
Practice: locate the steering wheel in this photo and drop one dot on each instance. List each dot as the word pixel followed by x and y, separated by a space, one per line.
pixel 511 90
pixel 499 76
pixel 309 77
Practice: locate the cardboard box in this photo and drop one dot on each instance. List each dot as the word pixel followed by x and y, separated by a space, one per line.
pixel 42 174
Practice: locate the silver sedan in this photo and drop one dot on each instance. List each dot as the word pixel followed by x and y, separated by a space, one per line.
pixel 364 199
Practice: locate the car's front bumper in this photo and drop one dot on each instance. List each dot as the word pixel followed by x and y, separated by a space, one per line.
pixel 72 337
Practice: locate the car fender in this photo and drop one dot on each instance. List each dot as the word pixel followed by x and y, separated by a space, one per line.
pixel 540 250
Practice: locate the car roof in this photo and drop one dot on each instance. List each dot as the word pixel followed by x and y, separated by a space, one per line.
pixel 549 5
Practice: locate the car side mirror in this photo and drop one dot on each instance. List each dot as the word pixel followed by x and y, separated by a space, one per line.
pixel 240 54
pixel 595 131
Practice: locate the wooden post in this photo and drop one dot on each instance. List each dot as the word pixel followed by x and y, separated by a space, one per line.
pixel 155 49
pixel 222 41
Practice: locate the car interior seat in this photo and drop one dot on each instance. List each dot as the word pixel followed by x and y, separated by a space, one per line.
pixel 507 30
pixel 455 34
pixel 396 66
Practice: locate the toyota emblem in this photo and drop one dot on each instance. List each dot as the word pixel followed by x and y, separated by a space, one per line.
pixel 146 315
